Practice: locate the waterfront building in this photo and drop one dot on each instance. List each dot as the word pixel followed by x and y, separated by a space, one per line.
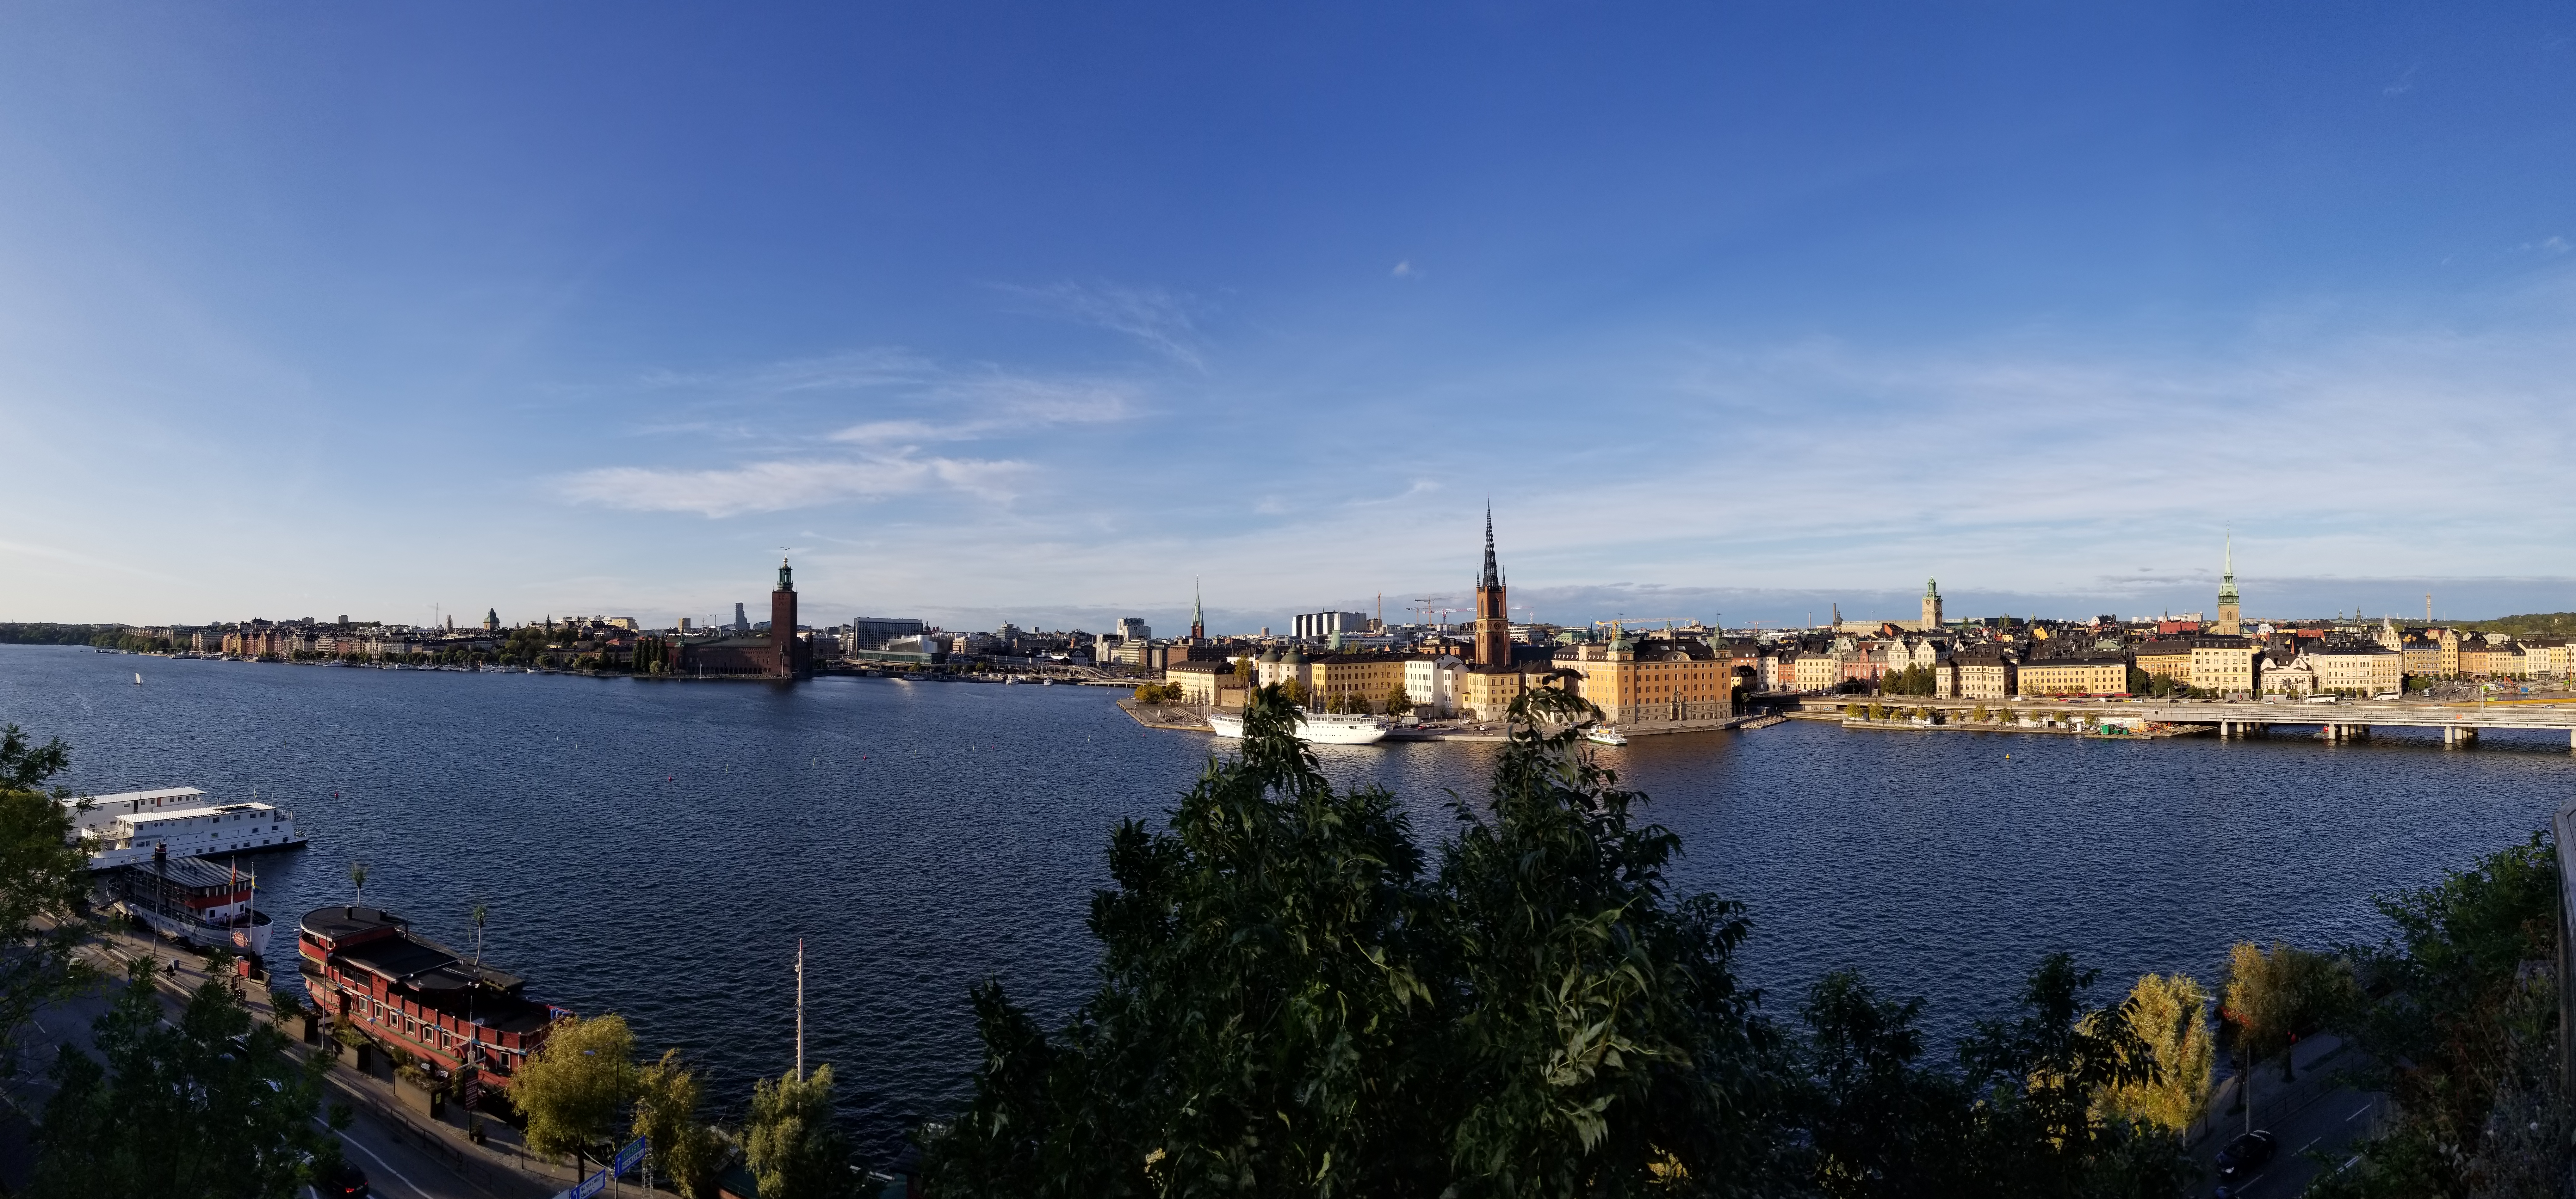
pixel 2354 668
pixel 2448 640
pixel 1209 683
pixel 1336 680
pixel 2091 674
pixel 2422 656
pixel 2292 676
pixel 1278 667
pixel 2225 664
pixel 366 970
pixel 1653 680
pixel 2229 623
pixel 1487 692
pixel 775 652
pixel 1431 682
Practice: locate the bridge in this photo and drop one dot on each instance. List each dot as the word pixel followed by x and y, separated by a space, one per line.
pixel 2354 720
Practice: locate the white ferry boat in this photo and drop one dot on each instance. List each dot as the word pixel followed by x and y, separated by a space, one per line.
pixel 1607 734
pixel 1313 728
pixel 132 826
pixel 192 900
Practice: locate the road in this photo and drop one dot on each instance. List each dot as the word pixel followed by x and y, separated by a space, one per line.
pixel 2314 1122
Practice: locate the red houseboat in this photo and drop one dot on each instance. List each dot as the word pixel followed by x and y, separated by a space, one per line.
pixel 366 969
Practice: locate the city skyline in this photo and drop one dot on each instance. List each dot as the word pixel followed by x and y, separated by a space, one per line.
pixel 1037 317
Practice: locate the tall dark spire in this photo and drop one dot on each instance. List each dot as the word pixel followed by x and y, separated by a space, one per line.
pixel 1493 577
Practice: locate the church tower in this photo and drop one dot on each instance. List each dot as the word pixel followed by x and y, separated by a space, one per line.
pixel 1493 612
pixel 2228 621
pixel 1931 605
pixel 1198 618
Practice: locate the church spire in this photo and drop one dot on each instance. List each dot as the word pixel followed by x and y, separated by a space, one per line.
pixel 1492 577
pixel 1198 617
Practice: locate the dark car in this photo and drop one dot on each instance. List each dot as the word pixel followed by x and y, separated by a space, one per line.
pixel 341 1180
pixel 2243 1155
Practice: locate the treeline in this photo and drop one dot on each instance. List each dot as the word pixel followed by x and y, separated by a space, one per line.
pixel 1297 999
pixel 43 633
pixel 2533 624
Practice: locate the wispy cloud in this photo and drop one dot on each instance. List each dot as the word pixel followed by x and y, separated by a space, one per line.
pixel 915 402
pixel 1406 270
pixel 782 485
pixel 1158 318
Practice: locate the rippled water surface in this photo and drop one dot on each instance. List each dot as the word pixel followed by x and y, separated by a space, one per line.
pixel 657 849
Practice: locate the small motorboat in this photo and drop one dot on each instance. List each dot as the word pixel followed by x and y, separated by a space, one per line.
pixel 1607 734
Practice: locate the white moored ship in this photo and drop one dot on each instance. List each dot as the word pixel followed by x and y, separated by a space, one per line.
pixel 192 900
pixel 179 822
pixel 1313 728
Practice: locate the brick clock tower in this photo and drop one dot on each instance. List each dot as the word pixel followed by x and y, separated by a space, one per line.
pixel 787 652
pixel 1493 612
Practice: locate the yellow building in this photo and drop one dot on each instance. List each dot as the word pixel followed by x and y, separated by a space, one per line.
pixel 1487 692
pixel 2356 669
pixel 1212 684
pixel 2090 674
pixel 1818 672
pixel 2423 658
pixel 1334 680
pixel 2449 640
pixel 1653 680
pixel 1985 673
pixel 2168 658
pixel 2225 664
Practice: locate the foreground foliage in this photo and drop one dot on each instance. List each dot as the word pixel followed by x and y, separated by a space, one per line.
pixel 43 888
pixel 1294 1000
pixel 792 1145
pixel 2464 1018
pixel 213 1106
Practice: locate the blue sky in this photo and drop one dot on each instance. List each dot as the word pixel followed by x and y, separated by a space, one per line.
pixel 1040 312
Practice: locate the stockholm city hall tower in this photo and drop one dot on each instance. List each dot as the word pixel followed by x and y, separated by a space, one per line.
pixel 1493 645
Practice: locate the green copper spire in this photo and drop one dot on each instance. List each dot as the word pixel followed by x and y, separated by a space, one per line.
pixel 2227 580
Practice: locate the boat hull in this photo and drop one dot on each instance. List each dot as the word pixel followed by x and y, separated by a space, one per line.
pixel 249 938
pixel 1327 731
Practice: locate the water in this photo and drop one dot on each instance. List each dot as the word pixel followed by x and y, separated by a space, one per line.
pixel 656 848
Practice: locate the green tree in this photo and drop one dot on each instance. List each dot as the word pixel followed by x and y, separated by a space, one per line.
pixel 1603 1040
pixel 793 1148
pixel 210 1106
pixel 358 879
pixel 2275 998
pixel 1291 1005
pixel 2462 1024
pixel 685 1151
pixel 2040 1129
pixel 1398 701
pixel 575 1088
pixel 44 886
pixel 2169 1014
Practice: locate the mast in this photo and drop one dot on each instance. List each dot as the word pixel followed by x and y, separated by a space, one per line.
pixel 800 1009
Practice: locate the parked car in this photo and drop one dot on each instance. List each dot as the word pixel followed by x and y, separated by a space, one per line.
pixel 342 1180
pixel 2238 1160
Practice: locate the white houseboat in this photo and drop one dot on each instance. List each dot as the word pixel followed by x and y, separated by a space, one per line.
pixel 1313 728
pixel 177 822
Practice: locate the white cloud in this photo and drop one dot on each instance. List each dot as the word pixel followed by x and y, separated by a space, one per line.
pixel 1406 270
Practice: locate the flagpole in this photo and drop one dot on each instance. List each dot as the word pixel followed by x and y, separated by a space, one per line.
pixel 800 1009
